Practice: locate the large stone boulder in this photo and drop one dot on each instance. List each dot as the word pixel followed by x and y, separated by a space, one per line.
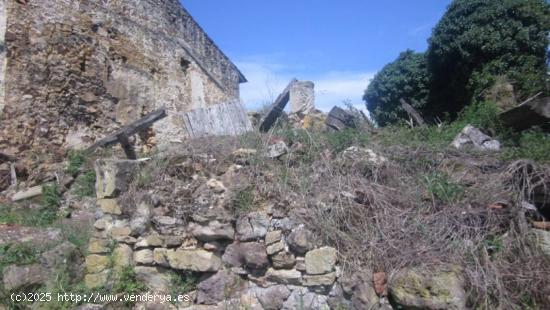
pixel 320 261
pixel 23 277
pixel 416 289
pixel 193 260
pixel 113 176
pixel 474 138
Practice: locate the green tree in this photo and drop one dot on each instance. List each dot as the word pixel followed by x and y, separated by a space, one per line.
pixel 477 41
pixel 407 77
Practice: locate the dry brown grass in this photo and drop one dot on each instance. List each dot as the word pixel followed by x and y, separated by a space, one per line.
pixel 412 211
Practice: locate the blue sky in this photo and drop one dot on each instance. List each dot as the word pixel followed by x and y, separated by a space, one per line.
pixel 339 45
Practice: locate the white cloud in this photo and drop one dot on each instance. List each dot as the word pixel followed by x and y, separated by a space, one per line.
pixel 267 79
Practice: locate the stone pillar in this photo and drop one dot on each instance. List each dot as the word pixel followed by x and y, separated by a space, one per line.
pixel 302 97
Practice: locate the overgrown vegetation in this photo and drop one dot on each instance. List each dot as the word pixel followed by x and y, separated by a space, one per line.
pixel 85 184
pixel 477 45
pixel 76 160
pixel 127 283
pixel 414 210
pixel 183 282
pixel 17 254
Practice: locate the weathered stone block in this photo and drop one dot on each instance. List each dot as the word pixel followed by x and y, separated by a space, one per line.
pixel 114 176
pixel 193 260
pixel 321 260
pixel 96 263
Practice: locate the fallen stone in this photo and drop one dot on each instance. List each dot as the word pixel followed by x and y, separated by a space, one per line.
pixel 217 288
pixel 23 277
pixel 214 231
pixel 273 297
pixel 284 276
pixel 252 226
pixel 193 260
pixel 277 150
pixel 473 137
pixel 319 280
pixel 320 261
pixel 300 240
pixel 411 288
pixel 27 194
pixel 358 154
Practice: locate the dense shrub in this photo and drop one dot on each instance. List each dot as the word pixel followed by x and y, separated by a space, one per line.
pixel 477 41
pixel 406 77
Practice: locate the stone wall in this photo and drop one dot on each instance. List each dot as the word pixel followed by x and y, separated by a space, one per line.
pixel 76 69
pixel 258 259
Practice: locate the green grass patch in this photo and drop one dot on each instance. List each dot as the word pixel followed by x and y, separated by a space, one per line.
pixel 17 254
pixel 127 283
pixel 39 217
pixel 184 282
pixel 85 184
pixel 76 160
pixel 338 141
pixel 440 187
pixel 533 144
pixel 243 201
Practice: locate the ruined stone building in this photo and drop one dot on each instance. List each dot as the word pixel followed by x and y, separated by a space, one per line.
pixel 74 70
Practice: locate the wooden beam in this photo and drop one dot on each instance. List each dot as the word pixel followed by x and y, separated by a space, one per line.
pixel 412 112
pixel 131 129
pixel 127 146
pixel 7 158
pixel 277 108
